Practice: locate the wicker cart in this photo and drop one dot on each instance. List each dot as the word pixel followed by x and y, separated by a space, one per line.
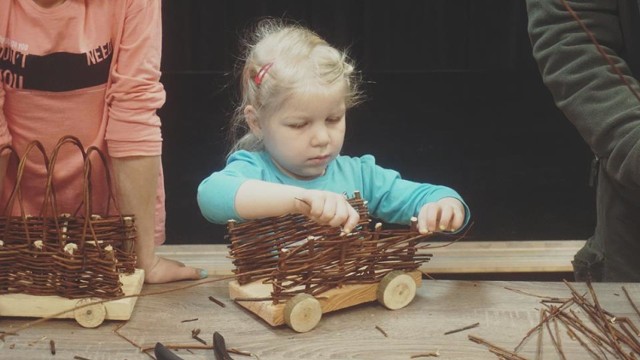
pixel 290 270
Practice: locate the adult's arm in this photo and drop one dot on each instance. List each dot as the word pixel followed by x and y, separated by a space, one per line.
pixel 133 132
pixel 5 137
pixel 584 87
pixel 136 178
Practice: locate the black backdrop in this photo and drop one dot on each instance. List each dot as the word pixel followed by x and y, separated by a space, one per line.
pixel 454 97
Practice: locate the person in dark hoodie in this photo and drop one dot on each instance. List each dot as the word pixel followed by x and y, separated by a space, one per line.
pixel 588 53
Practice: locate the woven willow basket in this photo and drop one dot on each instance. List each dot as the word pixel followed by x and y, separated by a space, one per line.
pixel 73 256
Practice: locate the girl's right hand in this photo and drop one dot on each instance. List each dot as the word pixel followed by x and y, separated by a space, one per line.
pixel 327 208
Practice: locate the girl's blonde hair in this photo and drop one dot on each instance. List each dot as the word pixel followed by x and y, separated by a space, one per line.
pixel 288 57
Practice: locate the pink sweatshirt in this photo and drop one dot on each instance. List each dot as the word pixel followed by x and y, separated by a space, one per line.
pixel 85 68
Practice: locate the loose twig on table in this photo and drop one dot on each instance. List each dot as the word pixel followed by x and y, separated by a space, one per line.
pixel 220 303
pixel 633 305
pixel 382 331
pixel 429 354
pixel 195 333
pixel 463 328
pixel 52 346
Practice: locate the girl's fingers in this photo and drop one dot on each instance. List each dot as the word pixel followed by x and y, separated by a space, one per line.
pixel 329 210
pixel 458 219
pixel 428 218
pixel 341 214
pixel 446 217
pixel 316 202
pixel 422 221
pixel 352 220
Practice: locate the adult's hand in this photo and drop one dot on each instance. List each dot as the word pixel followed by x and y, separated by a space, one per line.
pixel 167 270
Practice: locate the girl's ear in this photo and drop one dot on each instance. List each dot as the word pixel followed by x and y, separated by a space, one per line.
pixel 251 117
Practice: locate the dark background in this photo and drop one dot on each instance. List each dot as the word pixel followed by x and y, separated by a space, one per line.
pixel 454 98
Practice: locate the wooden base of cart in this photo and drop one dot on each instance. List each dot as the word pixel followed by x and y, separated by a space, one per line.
pixel 310 309
pixel 23 305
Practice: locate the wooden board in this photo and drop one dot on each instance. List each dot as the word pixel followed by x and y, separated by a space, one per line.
pixel 42 306
pixel 464 257
pixel 474 257
pixel 332 300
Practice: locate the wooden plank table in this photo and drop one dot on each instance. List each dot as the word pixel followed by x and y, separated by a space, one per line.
pixel 464 257
pixel 504 316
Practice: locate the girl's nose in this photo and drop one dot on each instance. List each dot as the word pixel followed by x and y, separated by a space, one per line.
pixel 320 136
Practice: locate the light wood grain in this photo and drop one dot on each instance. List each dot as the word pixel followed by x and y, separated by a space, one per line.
pixel 42 306
pixel 332 300
pixel 504 257
pixel 464 257
pixel 440 305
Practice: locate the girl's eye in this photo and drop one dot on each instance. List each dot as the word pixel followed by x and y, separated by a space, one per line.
pixel 297 125
pixel 334 120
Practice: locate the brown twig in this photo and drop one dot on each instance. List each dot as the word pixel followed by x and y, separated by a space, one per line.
pixel 117 332
pixel 429 354
pixel 547 317
pixel 382 331
pixel 496 349
pixel 240 352
pixel 546 298
pixel 540 332
pixel 555 339
pixel 633 305
pixel 576 337
pixel 194 335
pixel 220 303
pixel 189 320
pixel 602 317
pixel 463 328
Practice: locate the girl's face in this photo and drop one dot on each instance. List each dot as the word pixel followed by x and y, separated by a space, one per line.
pixel 305 133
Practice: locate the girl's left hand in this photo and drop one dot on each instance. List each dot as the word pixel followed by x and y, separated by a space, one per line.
pixel 446 214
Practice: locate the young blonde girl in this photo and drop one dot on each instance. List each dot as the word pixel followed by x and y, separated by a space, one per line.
pixel 288 132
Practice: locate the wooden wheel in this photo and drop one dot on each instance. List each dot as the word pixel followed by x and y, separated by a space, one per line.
pixel 302 312
pixel 396 290
pixel 90 316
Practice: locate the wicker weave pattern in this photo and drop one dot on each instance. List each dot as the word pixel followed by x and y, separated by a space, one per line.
pixel 297 255
pixel 74 256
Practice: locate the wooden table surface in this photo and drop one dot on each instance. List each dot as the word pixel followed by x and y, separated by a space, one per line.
pixel 463 257
pixel 504 317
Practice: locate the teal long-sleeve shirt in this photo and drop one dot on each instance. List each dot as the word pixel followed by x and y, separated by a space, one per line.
pixel 390 198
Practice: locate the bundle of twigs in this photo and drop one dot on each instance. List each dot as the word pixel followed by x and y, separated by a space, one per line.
pixel 296 254
pixel 600 333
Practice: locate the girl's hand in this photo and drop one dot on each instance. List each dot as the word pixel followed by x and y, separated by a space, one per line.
pixel 446 214
pixel 327 208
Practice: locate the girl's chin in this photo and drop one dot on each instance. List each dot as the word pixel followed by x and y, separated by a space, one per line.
pixel 308 175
